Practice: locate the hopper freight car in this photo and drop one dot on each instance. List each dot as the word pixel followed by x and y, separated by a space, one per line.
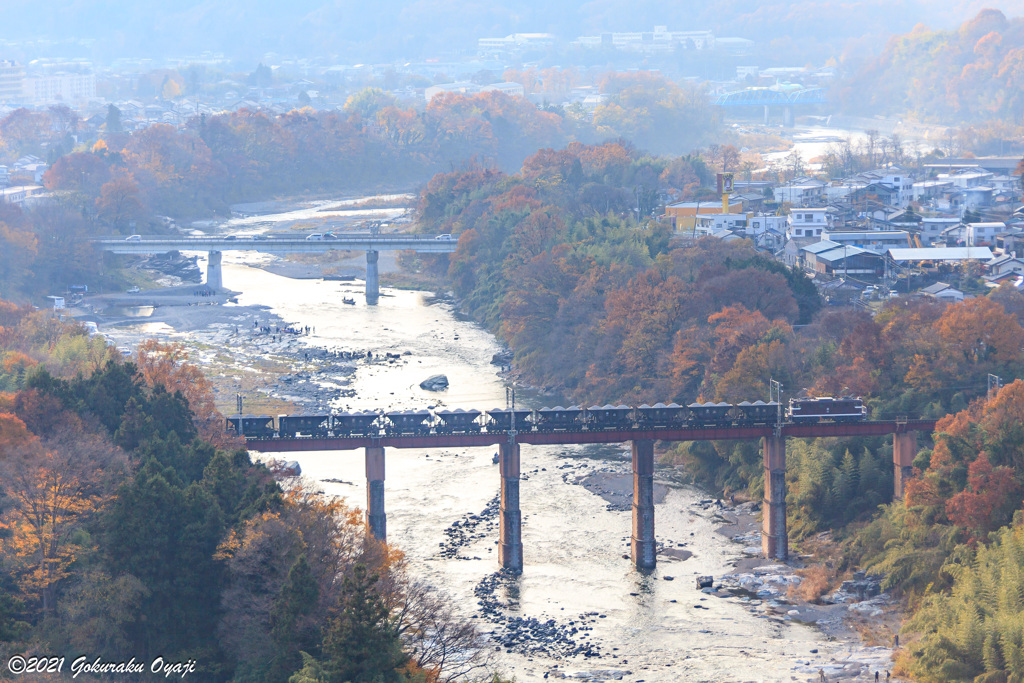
pixel 609 417
pixel 500 420
pixel 709 413
pixel 660 416
pixel 457 421
pixel 759 412
pixel 408 422
pixel 558 419
pixel 252 426
pixel 358 423
pixel 303 425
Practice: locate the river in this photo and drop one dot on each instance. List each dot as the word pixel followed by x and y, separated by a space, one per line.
pixel 654 627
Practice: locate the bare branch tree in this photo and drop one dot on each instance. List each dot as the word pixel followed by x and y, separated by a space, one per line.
pixel 440 641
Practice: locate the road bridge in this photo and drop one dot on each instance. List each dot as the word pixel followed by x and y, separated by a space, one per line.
pixel 643 546
pixel 372 244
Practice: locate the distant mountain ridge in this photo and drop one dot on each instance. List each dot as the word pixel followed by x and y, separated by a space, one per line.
pixel 388 29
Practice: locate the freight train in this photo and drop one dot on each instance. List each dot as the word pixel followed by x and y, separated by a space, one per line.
pixel 548 420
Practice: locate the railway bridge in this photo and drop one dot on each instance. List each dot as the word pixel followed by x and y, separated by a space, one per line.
pixel 770 98
pixel 643 546
pixel 372 244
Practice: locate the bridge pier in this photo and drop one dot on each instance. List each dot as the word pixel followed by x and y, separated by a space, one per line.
pixel 372 278
pixel 774 541
pixel 904 449
pixel 510 542
pixel 767 111
pixel 214 272
pixel 376 519
pixel 787 117
pixel 642 546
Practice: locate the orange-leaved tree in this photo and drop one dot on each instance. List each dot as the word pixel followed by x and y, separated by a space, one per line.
pixel 168 365
pixel 53 487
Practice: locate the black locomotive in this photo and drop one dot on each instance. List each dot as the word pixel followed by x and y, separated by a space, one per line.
pixel 548 420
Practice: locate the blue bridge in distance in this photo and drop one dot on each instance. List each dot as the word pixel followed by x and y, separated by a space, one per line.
pixel 768 98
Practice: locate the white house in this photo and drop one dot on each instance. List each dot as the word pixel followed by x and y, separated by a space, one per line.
pixel 461 87
pixel 514 89
pixel 874 240
pixel 758 223
pixel 968 177
pixel 983 234
pixel 931 189
pixel 943 292
pixel 803 192
pixel 808 222
pixel 713 222
pixel 932 228
pixel 1004 265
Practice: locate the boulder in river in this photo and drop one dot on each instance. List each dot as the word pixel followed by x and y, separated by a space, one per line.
pixel 435 383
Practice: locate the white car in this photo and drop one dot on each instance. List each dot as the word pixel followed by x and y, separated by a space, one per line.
pixel 133 238
pixel 446 237
pixel 134 290
pixel 315 237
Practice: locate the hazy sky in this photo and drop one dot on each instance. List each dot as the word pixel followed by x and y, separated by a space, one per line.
pixel 353 31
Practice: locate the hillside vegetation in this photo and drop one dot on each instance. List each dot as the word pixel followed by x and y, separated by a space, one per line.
pixel 607 310
pixel 973 73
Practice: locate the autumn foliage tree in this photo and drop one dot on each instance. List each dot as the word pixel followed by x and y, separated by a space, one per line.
pixel 167 365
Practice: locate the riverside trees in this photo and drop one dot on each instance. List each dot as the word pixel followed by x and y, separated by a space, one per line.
pixel 123 533
pixel 609 310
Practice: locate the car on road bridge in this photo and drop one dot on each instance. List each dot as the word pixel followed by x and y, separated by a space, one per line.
pixel 315 237
pixel 133 238
pixel 445 237
pixel 330 236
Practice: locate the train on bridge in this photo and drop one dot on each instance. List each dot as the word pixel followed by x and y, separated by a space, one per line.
pixel 546 420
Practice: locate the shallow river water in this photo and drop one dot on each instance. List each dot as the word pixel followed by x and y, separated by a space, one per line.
pixel 647 627
pixel 655 627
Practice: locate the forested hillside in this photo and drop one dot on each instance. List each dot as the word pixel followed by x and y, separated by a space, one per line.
pixel 131 526
pixel 121 182
pixel 973 73
pixel 605 310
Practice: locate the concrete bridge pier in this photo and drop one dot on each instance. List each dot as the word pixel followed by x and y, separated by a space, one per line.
pixel 767 112
pixel 214 272
pixel 376 519
pixel 510 543
pixel 904 449
pixel 787 117
pixel 642 546
pixel 372 278
pixel 774 541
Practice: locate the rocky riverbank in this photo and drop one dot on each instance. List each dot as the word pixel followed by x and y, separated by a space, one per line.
pixel 243 349
pixel 858 613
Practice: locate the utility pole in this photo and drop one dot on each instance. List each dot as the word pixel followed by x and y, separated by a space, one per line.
pixel 775 394
pixel 510 400
pixel 238 401
pixel 994 382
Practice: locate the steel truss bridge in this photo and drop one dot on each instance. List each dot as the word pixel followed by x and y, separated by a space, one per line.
pixel 765 97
